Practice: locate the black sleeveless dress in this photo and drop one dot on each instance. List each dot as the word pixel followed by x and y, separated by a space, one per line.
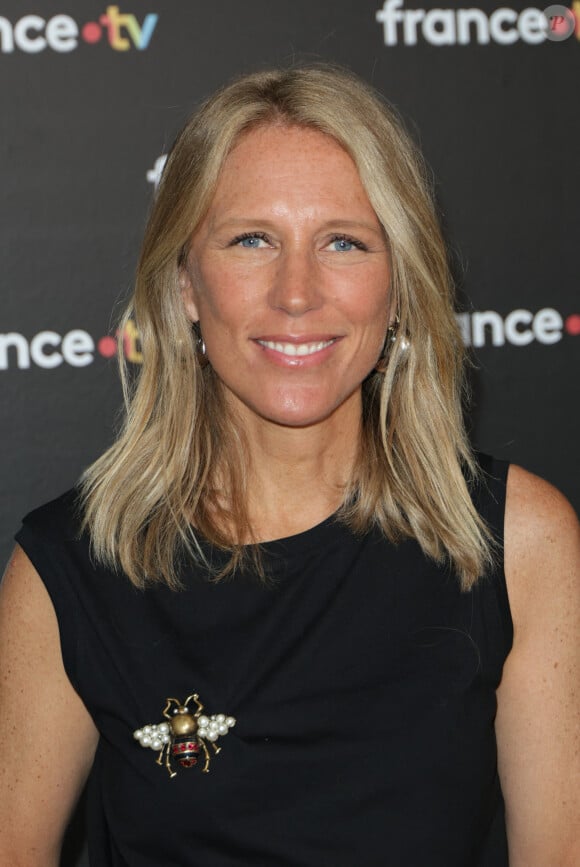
pixel 362 681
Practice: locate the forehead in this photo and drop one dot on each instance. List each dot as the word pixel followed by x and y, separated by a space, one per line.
pixel 281 139
pixel 295 162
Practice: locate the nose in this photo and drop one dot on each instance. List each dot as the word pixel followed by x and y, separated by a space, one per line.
pixel 296 286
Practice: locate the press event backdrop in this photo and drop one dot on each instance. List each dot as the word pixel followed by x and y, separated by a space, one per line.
pixel 91 97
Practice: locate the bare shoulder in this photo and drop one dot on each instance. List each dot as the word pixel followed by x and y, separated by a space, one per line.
pixel 535 505
pixel 28 625
pixel 538 712
pixel 43 767
pixel 542 544
pixel 30 650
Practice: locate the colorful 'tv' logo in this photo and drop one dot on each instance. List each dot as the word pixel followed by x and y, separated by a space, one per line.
pixel 34 34
pixel 118 24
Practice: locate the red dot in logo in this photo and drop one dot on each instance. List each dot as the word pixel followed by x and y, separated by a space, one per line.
pixel 107 346
pixel 572 324
pixel 91 32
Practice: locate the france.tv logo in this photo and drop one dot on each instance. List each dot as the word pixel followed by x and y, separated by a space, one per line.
pixel 33 34
pixel 122 29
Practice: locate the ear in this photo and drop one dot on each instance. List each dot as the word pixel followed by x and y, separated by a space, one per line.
pixel 188 294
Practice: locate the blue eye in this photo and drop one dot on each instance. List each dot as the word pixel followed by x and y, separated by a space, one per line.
pixel 342 245
pixel 249 241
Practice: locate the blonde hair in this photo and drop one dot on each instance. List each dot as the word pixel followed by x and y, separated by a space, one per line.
pixel 145 495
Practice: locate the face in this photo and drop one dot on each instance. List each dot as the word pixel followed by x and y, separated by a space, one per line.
pixel 288 275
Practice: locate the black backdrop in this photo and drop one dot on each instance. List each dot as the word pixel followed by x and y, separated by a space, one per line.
pixel 91 97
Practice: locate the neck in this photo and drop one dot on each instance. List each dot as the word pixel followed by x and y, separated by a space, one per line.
pixel 298 476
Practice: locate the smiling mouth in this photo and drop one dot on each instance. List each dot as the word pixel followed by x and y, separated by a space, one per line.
pixel 296 349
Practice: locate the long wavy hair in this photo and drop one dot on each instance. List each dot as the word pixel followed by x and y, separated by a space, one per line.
pixel 146 499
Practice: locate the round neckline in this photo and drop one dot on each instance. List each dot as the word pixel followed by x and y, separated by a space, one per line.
pixel 312 536
pixel 295 544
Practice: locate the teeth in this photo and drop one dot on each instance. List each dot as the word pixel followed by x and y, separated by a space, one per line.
pixel 294 349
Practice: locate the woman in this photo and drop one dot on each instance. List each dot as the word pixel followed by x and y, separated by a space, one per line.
pixel 292 531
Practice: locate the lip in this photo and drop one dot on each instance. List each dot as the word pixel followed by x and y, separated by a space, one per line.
pixel 316 348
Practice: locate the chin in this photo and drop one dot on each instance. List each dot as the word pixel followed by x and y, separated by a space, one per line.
pixel 301 413
pixel 296 407
pixel 298 421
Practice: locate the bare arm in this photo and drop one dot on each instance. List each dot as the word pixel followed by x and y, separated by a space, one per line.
pixel 538 720
pixel 48 738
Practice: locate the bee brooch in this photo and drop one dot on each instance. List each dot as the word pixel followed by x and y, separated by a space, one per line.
pixel 185 734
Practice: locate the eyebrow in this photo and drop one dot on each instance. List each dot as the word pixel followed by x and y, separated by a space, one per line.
pixel 335 224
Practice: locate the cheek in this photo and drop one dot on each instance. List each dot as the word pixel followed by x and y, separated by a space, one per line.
pixel 368 302
pixel 382 300
pixel 371 314
pixel 223 295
